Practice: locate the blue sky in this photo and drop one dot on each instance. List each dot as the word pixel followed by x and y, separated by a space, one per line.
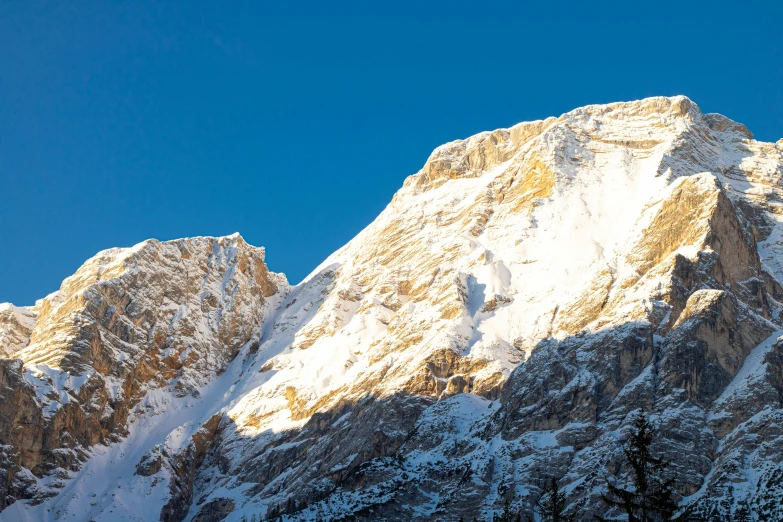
pixel 295 124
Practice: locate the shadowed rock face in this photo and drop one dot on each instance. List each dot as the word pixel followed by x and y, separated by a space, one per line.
pixel 497 326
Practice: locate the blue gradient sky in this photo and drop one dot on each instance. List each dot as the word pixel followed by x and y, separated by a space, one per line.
pixel 121 121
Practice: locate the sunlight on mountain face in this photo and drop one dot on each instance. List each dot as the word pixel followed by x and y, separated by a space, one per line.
pixel 497 326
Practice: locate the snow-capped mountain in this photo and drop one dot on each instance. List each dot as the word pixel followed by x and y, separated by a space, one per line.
pixel 498 325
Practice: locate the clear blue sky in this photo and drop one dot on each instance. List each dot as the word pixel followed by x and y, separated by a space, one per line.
pixel 294 124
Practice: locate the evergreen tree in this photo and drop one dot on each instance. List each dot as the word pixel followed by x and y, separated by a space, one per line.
pixel 507 515
pixel 651 498
pixel 552 504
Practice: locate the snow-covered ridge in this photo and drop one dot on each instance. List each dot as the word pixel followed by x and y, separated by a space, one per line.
pixel 16 323
pixel 581 254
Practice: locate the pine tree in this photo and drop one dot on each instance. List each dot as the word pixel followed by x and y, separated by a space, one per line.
pixel 507 515
pixel 651 499
pixel 552 504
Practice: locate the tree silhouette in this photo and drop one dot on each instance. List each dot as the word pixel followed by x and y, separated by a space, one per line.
pixel 651 498
pixel 551 506
pixel 507 515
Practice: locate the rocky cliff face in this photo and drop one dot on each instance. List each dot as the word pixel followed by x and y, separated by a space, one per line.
pixel 498 325
pixel 129 324
pixel 16 324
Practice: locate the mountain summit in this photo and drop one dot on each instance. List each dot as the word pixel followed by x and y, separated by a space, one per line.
pixel 499 325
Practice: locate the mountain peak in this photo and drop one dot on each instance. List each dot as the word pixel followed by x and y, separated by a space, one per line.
pixel 525 293
pixel 656 122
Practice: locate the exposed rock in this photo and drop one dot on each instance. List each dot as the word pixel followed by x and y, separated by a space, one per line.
pixel 159 315
pixel 184 467
pixel 151 463
pixel 497 326
pixel 215 510
pixel 16 324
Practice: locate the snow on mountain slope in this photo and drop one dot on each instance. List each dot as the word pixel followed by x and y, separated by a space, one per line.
pixel 16 323
pixel 496 325
pixel 128 324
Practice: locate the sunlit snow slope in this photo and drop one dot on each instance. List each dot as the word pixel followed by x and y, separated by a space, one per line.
pixel 495 327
